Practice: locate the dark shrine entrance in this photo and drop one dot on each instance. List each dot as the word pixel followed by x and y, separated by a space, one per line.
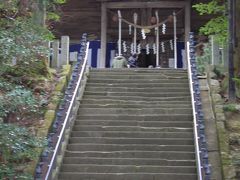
pixel 156 31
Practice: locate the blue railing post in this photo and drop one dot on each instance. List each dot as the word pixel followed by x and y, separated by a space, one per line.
pixel 202 152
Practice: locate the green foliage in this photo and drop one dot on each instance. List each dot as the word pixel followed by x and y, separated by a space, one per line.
pixel 52 6
pixel 213 7
pixel 230 108
pixel 18 146
pixel 237 81
pixel 20 37
pixel 18 101
pixel 53 16
pixel 5 86
pixel 204 60
pixel 23 42
pixel 218 25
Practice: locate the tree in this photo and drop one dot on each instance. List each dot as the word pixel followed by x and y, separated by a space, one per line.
pixel 220 27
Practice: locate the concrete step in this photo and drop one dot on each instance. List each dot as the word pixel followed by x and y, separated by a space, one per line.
pixel 136 105
pixel 132 89
pixel 132 124
pixel 89 147
pixel 111 140
pixel 152 117
pixel 141 81
pixel 125 176
pixel 126 168
pixel 138 70
pixel 127 161
pixel 139 98
pixel 131 128
pixel 165 152
pixel 138 76
pixel 179 123
pixel 135 111
pixel 140 85
pixel 126 134
pixel 140 94
pixel 135 102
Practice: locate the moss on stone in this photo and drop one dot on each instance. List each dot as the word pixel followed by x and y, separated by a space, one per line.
pixel 223 138
pixel 50 114
pixel 48 120
pixel 66 71
pixel 229 172
pixel 61 84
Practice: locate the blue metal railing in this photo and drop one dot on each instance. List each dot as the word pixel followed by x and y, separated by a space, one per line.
pixel 204 171
pixel 64 117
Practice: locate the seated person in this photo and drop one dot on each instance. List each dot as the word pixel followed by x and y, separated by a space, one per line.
pixel 119 62
pixel 132 61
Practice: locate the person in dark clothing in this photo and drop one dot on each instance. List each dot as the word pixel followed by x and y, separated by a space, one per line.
pixel 151 59
pixel 142 59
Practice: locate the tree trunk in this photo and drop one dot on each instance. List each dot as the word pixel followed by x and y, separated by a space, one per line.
pixel 237 47
pixel 39 16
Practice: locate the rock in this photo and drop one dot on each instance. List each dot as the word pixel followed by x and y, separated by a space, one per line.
pixel 220 116
pixel 217 99
pixel 219 109
pixel 212 75
pixel 214 82
pixel 238 107
pixel 234 139
pixel 229 172
pixel 233 126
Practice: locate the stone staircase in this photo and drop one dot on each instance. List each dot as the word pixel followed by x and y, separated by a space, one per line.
pixel 133 124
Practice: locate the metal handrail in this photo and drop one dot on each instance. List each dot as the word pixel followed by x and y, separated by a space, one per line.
pixel 196 137
pixel 64 116
pixel 59 142
pixel 203 166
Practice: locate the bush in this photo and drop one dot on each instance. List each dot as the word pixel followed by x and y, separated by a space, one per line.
pixel 230 108
pixel 18 101
pixel 18 147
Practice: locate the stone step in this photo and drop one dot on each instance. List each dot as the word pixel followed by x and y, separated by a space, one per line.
pixel 111 140
pixel 166 155
pixel 125 176
pixel 139 98
pixel 138 76
pixel 131 128
pixel 132 124
pixel 152 117
pixel 136 105
pixel 135 102
pixel 127 161
pixel 140 94
pixel 135 111
pixel 140 81
pixel 188 124
pixel 126 168
pixel 137 70
pixel 139 85
pixel 126 134
pixel 89 147
pixel 132 89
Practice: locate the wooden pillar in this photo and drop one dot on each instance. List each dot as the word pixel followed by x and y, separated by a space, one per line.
pixel 157 40
pixel 103 35
pixel 187 25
